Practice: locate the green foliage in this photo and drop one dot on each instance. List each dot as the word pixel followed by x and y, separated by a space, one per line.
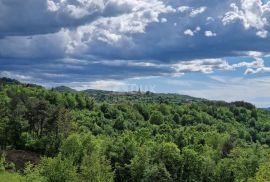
pixel 32 174
pixel 72 149
pixel 57 170
pixel 157 172
pixel 156 118
pixel 139 137
pixel 2 164
pixel 263 174
pixel 11 177
pixel 95 168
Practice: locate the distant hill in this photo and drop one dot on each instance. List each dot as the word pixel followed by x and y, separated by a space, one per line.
pixel 115 96
pixel 267 109
pixel 148 97
pixel 98 92
pixel 5 80
pixel 64 89
pixel 9 81
pixel 133 96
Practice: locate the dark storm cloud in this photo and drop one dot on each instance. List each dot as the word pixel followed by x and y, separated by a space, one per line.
pixel 56 71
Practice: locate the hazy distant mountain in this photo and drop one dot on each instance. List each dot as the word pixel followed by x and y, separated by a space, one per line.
pixel 267 109
pixel 5 80
pixel 9 80
pixel 115 96
pixel 64 89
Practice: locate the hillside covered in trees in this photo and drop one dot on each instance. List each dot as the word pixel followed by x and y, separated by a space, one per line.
pixel 105 137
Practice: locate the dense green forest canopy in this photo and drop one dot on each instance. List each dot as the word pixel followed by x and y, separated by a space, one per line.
pixel 141 137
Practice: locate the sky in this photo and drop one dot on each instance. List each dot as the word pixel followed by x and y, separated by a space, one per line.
pixel 218 50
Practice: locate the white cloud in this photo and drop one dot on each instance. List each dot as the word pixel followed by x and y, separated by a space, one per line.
pixel 209 18
pixel 197 29
pixel 189 32
pixel 252 14
pixel 106 84
pixel 78 9
pixel 183 9
pixel 198 11
pixel 262 33
pixel 254 64
pixel 253 53
pixel 210 65
pixel 163 20
pixel 117 31
pixel 204 66
pixel 112 85
pixel 253 67
pixel 209 34
pixel 258 70
pixel 52 6
pixel 108 37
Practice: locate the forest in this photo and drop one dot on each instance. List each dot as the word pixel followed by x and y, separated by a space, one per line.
pixel 62 135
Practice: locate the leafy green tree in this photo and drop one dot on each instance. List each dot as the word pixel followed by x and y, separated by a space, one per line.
pixel 11 177
pixel 192 165
pixel 72 149
pixel 263 173
pixel 57 170
pixel 95 168
pixel 139 164
pixel 169 155
pixel 81 101
pixel 70 100
pixel 32 174
pixel 176 118
pixel 156 118
pixel 16 122
pixel 2 163
pixel 225 171
pixel 142 110
pixel 4 119
pixel 157 173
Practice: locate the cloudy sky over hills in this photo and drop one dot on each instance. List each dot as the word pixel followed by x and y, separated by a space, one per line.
pixel 206 48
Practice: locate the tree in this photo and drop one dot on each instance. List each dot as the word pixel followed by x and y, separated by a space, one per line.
pixel 225 171
pixel 70 101
pixel 176 118
pixel 38 115
pixel 142 110
pixel 72 149
pixel 16 121
pixel 139 164
pixel 95 168
pixel 156 118
pixel 157 173
pixel 263 173
pixel 32 174
pixel 57 170
pixel 192 165
pixel 169 155
pixel 2 163
pixel 81 101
